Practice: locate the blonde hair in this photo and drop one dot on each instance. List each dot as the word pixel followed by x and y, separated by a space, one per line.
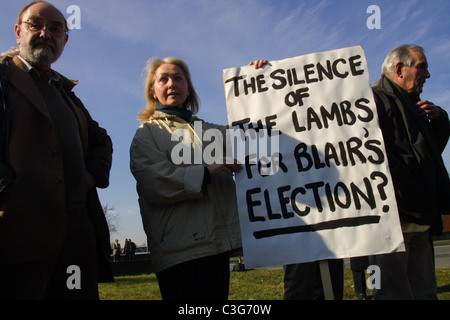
pixel 11 53
pixel 192 101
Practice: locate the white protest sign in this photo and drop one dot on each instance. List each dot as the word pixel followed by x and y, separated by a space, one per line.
pixel 316 183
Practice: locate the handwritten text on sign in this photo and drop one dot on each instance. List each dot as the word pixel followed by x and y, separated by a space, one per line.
pixel 329 193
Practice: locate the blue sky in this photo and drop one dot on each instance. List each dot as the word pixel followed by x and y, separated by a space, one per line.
pixel 108 55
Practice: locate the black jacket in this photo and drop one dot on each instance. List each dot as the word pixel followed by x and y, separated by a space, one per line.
pixel 414 148
pixel 33 219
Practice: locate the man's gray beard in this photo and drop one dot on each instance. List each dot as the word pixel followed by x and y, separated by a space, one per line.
pixel 40 56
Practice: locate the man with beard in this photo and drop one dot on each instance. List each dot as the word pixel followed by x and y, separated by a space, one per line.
pixel 54 240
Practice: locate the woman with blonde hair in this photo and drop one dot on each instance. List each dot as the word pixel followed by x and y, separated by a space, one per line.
pixel 188 209
pixel 192 101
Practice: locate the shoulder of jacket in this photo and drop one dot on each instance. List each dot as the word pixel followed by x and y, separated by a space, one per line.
pixel 4 69
pixel 5 58
pixel 67 83
pixel 149 125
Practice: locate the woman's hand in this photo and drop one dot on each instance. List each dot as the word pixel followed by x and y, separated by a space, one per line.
pixel 227 165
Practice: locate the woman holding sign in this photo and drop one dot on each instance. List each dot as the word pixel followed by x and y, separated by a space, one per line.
pixel 188 205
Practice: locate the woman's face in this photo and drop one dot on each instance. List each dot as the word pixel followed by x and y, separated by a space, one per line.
pixel 170 87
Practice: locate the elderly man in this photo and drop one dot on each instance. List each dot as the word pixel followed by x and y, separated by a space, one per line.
pixel 415 132
pixel 54 240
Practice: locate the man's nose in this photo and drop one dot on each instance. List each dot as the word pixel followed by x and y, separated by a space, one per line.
pixel 45 32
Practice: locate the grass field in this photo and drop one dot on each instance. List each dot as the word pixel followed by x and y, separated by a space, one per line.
pixel 259 284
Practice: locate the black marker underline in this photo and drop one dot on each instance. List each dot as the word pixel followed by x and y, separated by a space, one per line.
pixel 328 225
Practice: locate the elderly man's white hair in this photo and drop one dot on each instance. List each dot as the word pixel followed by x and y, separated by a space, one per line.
pixel 402 54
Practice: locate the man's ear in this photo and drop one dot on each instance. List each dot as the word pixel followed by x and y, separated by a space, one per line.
pixel 398 68
pixel 17 32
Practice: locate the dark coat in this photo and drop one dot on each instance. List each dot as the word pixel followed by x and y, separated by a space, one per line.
pixel 33 218
pixel 421 181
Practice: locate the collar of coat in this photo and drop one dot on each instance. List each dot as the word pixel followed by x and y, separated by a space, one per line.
pixel 67 84
pixel 390 87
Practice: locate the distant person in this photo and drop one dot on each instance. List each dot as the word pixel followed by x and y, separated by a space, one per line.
pixel 415 133
pixel 53 157
pixel 132 249
pixel 126 250
pixel 189 211
pixel 116 250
